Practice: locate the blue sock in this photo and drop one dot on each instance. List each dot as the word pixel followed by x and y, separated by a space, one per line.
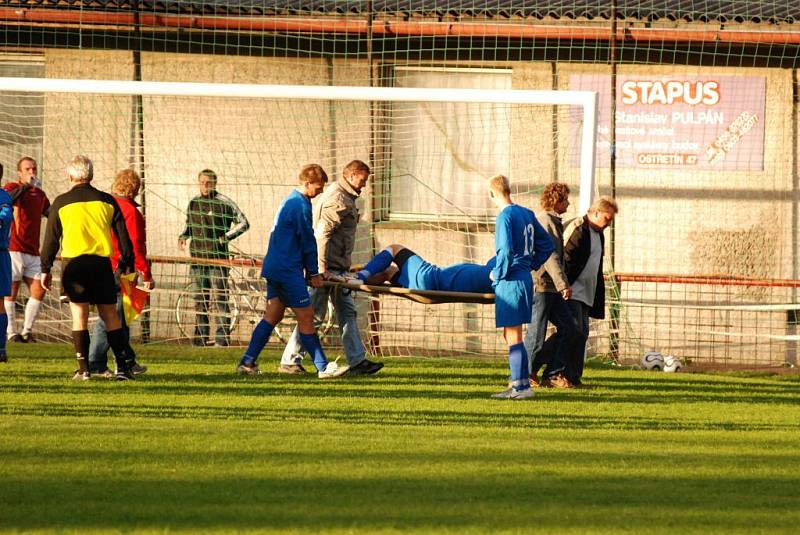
pixel 258 340
pixel 518 362
pixel 314 348
pixel 3 327
pixel 379 263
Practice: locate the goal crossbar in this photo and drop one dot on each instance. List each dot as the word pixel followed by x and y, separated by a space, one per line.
pixel 587 100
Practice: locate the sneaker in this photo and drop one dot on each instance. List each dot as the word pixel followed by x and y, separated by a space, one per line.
pixel 292 369
pixel 81 376
pixel 3 357
pixel 105 374
pixel 559 381
pixel 510 393
pixel 123 375
pixel 332 370
pixel 138 369
pixel 26 338
pixel 366 367
pixel 248 369
pixel 16 338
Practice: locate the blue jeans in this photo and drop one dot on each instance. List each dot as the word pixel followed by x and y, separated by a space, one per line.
pixel 550 306
pixel 98 347
pixel 346 318
pixel 577 351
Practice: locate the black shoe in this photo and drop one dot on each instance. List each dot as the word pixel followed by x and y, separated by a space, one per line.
pixel 123 375
pixel 3 357
pixel 16 338
pixel 138 369
pixel 366 367
pixel 26 338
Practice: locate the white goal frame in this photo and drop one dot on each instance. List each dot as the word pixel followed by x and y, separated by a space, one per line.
pixel 587 100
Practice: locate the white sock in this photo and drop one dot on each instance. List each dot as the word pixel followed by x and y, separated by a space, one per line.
pixel 10 311
pixel 31 312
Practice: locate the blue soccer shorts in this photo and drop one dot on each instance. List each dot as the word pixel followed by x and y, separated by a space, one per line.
pixel 5 273
pixel 513 302
pixel 292 292
pixel 417 274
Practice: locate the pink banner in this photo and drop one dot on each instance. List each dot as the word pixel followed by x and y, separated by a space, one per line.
pixel 692 122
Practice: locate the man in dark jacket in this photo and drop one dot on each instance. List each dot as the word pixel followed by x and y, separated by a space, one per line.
pixel 583 257
pixel 212 220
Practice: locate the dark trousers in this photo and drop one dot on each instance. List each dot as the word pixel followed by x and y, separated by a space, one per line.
pixel 550 306
pixel 99 346
pixel 211 288
pixel 577 353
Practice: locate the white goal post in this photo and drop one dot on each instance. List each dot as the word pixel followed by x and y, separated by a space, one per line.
pixel 587 100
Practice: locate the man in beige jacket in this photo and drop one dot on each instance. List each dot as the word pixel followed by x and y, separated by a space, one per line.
pixel 335 224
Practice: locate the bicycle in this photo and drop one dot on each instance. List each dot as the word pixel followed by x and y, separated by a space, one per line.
pixel 246 304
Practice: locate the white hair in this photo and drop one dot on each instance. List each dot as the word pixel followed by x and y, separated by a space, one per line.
pixel 80 169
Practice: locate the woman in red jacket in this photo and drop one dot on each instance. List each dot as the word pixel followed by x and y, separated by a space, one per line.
pixel 125 188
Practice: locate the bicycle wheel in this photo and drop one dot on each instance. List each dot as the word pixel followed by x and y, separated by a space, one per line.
pixel 186 313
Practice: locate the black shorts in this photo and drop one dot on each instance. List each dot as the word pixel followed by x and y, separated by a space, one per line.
pixel 400 259
pixel 89 279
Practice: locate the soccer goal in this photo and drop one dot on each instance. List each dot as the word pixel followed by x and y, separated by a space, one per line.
pixel 431 150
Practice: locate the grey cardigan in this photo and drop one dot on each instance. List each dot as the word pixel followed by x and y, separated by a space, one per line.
pixel 551 276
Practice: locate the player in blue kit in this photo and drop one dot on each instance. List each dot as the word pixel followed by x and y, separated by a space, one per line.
pixel 290 262
pixel 6 217
pixel 521 246
pixel 401 266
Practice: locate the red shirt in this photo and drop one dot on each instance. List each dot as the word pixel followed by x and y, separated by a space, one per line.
pixel 29 208
pixel 134 222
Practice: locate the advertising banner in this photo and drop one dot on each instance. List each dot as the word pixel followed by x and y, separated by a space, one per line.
pixel 692 122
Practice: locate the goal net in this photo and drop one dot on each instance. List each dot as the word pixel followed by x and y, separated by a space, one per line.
pixel 431 147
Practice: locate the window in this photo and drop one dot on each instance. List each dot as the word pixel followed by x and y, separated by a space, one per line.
pixel 21 114
pixel 442 153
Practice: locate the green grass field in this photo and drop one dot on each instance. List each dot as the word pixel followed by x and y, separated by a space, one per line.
pixel 419 448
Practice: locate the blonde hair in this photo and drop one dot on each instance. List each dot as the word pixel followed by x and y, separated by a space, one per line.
pixel 126 183
pixel 554 193
pixel 313 173
pixel 605 204
pixel 500 184
pixel 80 169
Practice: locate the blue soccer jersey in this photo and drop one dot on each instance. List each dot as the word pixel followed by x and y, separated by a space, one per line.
pixel 473 278
pixel 292 246
pixel 521 243
pixel 6 218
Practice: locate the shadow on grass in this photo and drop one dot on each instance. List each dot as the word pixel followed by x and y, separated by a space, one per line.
pixel 474 384
pixel 368 502
pixel 497 413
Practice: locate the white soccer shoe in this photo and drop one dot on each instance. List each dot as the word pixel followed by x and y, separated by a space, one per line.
pixel 333 370
pixel 510 393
